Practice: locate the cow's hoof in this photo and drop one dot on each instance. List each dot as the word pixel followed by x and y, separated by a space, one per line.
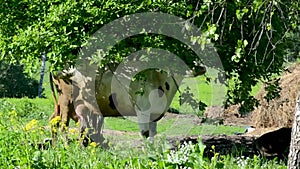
pixel 85 141
pixel 144 133
pixel 151 139
pixel 104 145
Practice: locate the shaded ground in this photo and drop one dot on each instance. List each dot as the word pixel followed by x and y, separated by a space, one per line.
pixel 125 139
pixel 174 135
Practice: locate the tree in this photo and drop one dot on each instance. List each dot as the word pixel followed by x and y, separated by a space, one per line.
pixel 40 91
pixel 294 154
pixel 250 36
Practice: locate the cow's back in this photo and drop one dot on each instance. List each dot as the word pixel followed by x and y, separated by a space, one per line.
pixel 112 102
pixel 116 99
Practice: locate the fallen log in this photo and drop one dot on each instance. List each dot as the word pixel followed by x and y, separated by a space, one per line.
pixel 234 145
pixel 274 144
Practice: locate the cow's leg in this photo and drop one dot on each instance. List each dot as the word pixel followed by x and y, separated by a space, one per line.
pixel 95 123
pixel 143 116
pixel 56 112
pixel 153 125
pixel 152 131
pixel 90 125
pixel 74 116
pixel 147 119
pixel 148 127
pixel 143 120
pixel 65 120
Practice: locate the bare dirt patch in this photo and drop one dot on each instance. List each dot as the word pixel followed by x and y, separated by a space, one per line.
pixel 129 139
pixel 230 116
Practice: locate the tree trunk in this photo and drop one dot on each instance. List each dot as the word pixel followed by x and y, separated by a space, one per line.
pixel 294 155
pixel 42 75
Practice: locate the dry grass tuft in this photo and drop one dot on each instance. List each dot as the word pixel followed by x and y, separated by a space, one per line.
pixel 279 112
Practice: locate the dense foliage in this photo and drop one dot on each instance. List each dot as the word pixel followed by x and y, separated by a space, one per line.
pixel 250 36
pixel 15 83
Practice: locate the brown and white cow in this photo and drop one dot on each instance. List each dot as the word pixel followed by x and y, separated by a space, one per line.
pixel 104 96
pixel 63 106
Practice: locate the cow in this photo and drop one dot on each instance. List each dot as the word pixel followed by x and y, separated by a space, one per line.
pixel 63 106
pixel 95 98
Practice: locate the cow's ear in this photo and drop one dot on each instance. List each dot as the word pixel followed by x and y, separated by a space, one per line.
pixel 60 75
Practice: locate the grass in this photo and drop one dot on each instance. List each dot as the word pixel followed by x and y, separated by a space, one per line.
pixel 120 124
pixel 18 147
pixel 172 126
pixel 20 134
pixel 210 93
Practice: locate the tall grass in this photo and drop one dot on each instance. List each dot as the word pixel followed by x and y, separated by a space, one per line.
pixel 22 128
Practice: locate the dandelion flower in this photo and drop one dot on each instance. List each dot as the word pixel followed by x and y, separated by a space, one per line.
pixel 32 124
pixel 67 146
pixel 55 121
pixel 71 130
pixel 93 144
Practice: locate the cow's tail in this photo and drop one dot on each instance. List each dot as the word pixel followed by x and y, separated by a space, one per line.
pixel 52 90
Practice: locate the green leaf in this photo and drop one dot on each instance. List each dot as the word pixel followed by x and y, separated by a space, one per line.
pixel 245 43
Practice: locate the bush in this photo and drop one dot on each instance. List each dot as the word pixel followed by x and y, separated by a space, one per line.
pixel 15 83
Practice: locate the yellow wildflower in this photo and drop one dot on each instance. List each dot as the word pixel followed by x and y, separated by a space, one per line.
pixel 93 144
pixel 55 121
pixel 77 124
pixel 72 130
pixel 213 147
pixel 110 144
pixel 32 124
pixel 41 131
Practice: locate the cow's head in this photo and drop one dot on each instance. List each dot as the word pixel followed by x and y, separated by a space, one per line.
pixel 62 80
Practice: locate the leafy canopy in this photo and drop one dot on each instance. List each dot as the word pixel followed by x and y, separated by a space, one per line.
pixel 251 37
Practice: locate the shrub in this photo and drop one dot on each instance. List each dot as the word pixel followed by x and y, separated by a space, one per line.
pixel 15 83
